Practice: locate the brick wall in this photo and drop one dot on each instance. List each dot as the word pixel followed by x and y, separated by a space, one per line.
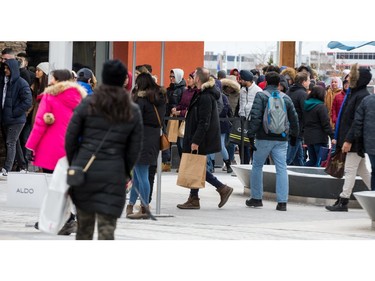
pixel 17 46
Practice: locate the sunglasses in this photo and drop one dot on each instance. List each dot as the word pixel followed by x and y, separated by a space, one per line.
pixel 171 76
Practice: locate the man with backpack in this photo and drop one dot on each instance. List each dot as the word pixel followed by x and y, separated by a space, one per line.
pixel 273 119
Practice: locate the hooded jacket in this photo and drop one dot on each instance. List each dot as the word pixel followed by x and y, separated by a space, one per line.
pixel 202 125
pixel 175 90
pixel 317 127
pixel 231 88
pixel 48 141
pixel 18 97
pixel 359 79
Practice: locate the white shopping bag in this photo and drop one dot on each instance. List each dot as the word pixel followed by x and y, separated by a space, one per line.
pixel 56 205
pixel 26 190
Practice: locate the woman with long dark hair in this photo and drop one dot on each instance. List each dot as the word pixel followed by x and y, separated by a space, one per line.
pixel 150 98
pixel 109 117
pixel 40 83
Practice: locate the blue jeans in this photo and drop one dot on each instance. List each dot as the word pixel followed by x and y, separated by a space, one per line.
pixel 224 151
pixel 141 183
pixel 230 147
pixel 211 179
pixel 295 154
pixel 372 160
pixel 313 150
pixel 13 146
pixel 277 150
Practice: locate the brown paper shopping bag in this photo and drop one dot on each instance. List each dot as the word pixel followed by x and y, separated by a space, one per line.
pixel 192 171
pixel 172 130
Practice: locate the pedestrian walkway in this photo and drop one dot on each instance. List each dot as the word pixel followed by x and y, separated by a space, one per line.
pixel 234 221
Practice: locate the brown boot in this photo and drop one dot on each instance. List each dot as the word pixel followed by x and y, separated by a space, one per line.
pixel 191 203
pixel 166 167
pixel 129 210
pixel 143 213
pixel 224 192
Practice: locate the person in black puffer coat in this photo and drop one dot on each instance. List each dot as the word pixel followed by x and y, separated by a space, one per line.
pixel 109 110
pixel 347 141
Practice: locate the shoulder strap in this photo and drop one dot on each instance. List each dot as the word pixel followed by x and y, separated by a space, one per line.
pixel 96 151
pixel 157 115
pixel 266 93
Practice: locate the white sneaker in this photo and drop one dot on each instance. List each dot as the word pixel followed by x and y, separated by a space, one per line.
pixel 23 171
pixel 4 172
pixel 224 168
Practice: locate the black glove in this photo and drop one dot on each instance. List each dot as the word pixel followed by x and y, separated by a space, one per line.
pixel 360 148
pixel 361 152
pixel 29 155
pixel 252 145
pixel 293 141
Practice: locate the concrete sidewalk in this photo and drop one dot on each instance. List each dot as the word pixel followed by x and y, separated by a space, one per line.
pixel 234 221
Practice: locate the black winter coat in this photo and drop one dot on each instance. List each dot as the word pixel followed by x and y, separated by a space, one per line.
pixel 364 123
pixel 18 97
pixel 298 95
pixel 151 127
pixel 225 125
pixel 202 125
pixel 104 189
pixel 316 123
pixel 346 128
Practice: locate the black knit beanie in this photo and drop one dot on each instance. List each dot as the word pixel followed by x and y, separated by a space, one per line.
pixel 114 73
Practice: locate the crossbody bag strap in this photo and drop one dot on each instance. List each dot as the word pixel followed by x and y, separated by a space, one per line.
pixel 96 151
pixel 157 115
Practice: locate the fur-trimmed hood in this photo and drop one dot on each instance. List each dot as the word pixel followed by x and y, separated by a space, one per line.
pixel 162 93
pixel 209 84
pixel 229 83
pixel 60 87
pixel 359 77
pixel 289 71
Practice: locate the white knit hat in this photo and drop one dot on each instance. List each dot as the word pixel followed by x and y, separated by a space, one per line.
pixel 44 66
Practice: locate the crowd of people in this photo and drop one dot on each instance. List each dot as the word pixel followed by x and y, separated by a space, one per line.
pixel 54 113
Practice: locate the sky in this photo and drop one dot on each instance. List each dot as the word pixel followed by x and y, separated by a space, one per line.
pixel 239 47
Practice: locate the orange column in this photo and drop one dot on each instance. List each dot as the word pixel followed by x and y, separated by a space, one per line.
pixel 287 53
pixel 184 55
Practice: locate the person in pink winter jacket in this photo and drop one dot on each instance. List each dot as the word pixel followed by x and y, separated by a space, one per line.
pixel 47 138
pixel 46 142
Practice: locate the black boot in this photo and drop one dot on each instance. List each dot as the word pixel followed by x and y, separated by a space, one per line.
pixel 213 166
pixel 341 205
pixel 227 164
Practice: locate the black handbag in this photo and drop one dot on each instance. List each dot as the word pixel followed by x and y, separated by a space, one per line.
pixel 235 133
pixel 76 175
